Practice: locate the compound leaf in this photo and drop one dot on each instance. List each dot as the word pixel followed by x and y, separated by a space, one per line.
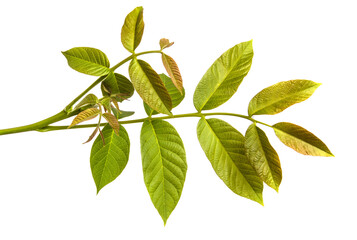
pixel 176 96
pixel 224 148
pixel 133 29
pixel 164 165
pixel 223 78
pixel 263 157
pixel 87 60
pixel 301 140
pixel 85 115
pixel 109 160
pixel 149 86
pixel 278 97
pixel 173 71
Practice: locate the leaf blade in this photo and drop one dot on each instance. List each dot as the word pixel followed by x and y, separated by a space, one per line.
pixel 117 84
pixel 263 157
pixel 224 148
pixel 133 29
pixel 113 122
pixel 278 97
pixel 149 86
pixel 89 100
pixel 223 78
pixel 164 165
pixel 301 140
pixel 175 94
pixel 109 160
pixel 88 60
pixel 173 71
pixel 85 115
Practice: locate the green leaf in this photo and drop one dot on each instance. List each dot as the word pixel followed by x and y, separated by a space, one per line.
pixel 122 113
pixel 165 43
pixel 109 160
pixel 89 100
pixel 173 71
pixel 113 122
pixel 149 86
pixel 106 103
pixel 117 84
pixel 276 98
pixel 301 140
pixel 88 60
pixel 224 148
pixel 164 165
pixel 85 115
pixel 176 96
pixel 263 157
pixel 133 29
pixel 223 78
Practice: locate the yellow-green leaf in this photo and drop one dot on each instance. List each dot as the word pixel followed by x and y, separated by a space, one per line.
pixel 149 86
pixel 85 115
pixel 224 148
pixel 223 78
pixel 173 71
pixel 278 97
pixel 89 100
pixel 133 29
pixel 263 157
pixel 87 60
pixel 108 160
pixel 176 96
pixel 301 140
pixel 164 165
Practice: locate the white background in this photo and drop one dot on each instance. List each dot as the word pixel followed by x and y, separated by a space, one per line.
pixel 47 190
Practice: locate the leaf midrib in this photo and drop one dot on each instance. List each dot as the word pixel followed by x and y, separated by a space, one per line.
pixel 84 60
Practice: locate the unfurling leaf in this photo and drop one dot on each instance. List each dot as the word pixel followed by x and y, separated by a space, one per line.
pixel 224 148
pixel 149 86
pixel 93 134
pixel 133 29
pixel 113 122
pixel 165 43
pixel 106 102
pixel 176 96
pixel 87 60
pixel 109 160
pixel 278 97
pixel 301 140
pixel 223 78
pixel 85 115
pixel 89 100
pixel 164 165
pixel 263 157
pixel 173 71
pixel 117 84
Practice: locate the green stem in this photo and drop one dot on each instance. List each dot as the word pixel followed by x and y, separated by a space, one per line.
pixel 139 120
pixel 67 112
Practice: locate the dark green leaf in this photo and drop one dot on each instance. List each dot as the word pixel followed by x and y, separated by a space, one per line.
pixel 301 140
pixel 109 160
pixel 133 29
pixel 164 165
pixel 149 86
pixel 88 60
pixel 263 157
pixel 118 84
pixel 176 96
pixel 276 98
pixel 223 78
pixel 224 148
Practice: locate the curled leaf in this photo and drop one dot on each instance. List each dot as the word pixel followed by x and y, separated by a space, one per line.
pixel 90 100
pixel 85 115
pixel 165 43
pixel 113 122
